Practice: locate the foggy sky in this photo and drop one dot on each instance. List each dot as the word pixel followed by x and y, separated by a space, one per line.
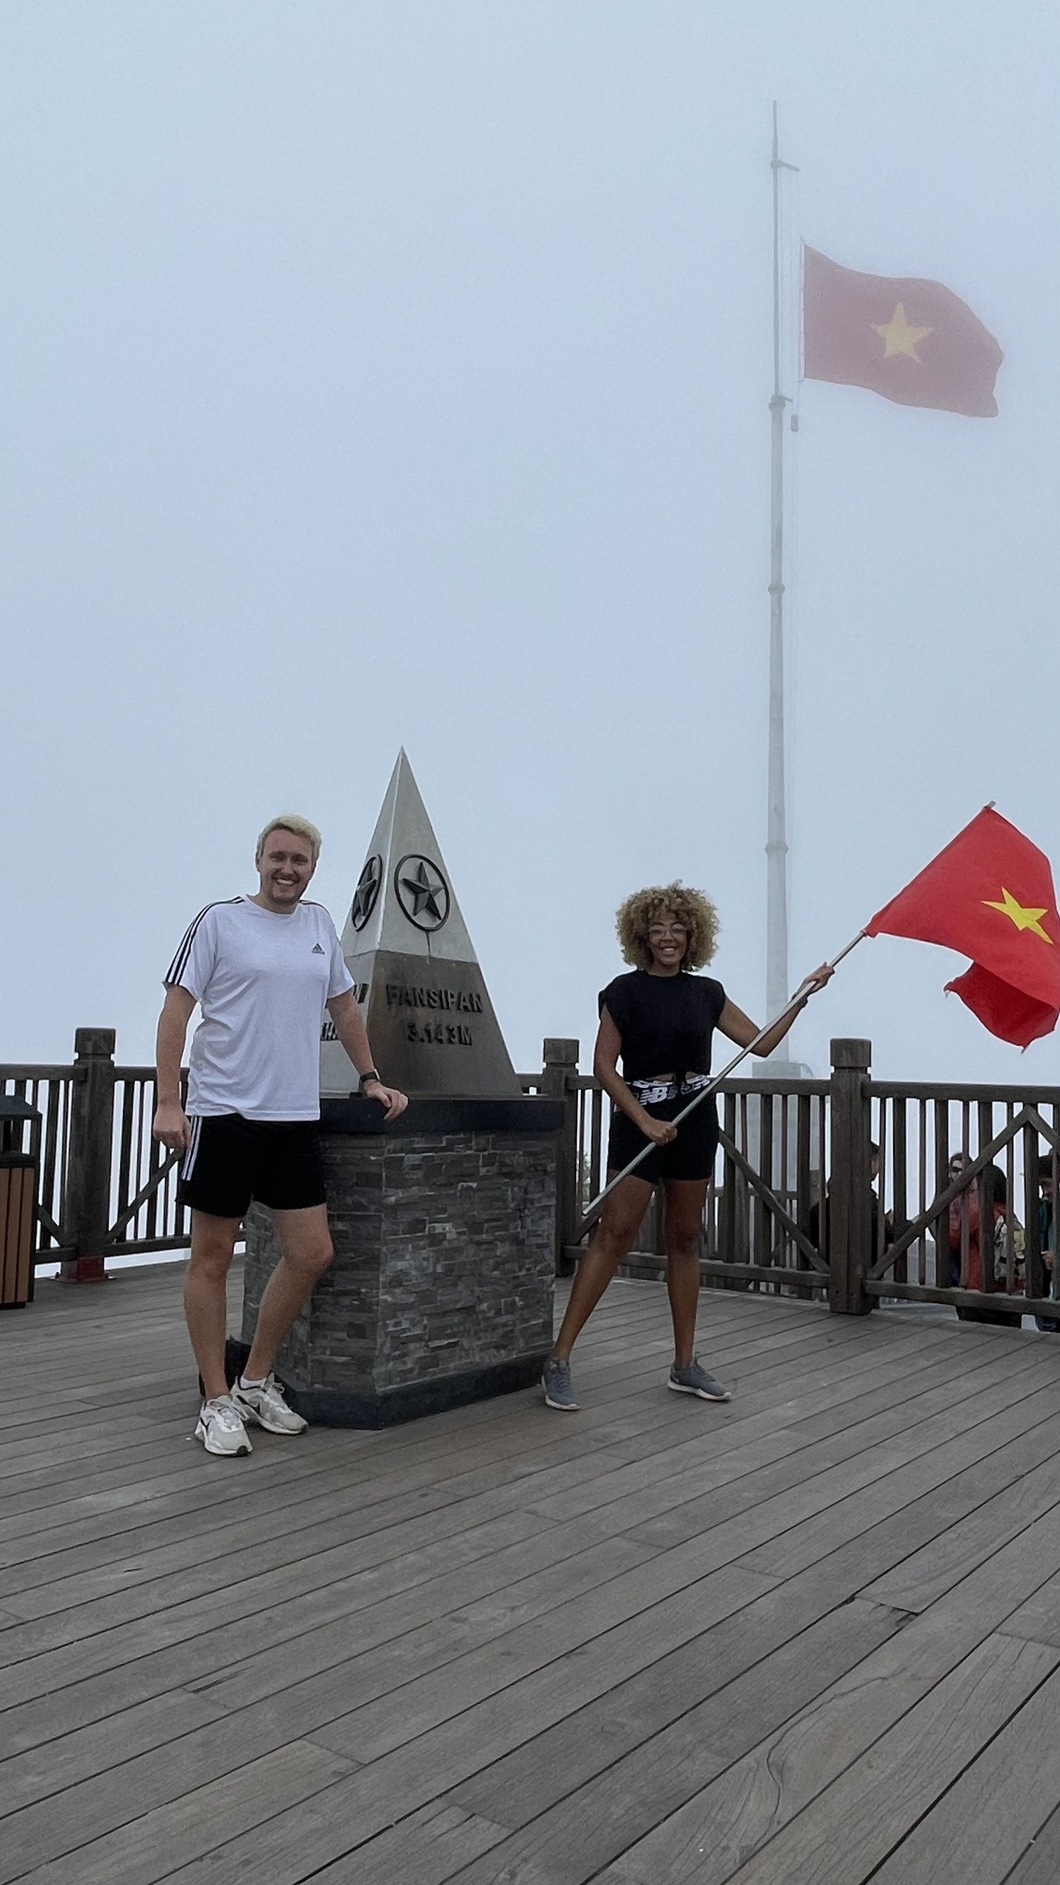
pixel 398 374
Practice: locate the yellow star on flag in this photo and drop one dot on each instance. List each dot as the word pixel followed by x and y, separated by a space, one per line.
pixel 1023 919
pixel 899 337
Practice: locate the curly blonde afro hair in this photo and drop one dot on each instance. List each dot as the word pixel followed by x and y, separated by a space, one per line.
pixel 634 918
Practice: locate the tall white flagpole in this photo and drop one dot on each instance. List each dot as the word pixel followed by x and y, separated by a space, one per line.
pixel 777 983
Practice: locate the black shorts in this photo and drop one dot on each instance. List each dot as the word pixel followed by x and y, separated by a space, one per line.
pixel 690 1155
pixel 231 1160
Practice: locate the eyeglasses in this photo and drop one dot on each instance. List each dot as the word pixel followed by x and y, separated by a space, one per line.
pixel 659 930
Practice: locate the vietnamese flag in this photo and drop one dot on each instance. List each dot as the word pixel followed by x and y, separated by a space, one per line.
pixel 989 894
pixel 911 341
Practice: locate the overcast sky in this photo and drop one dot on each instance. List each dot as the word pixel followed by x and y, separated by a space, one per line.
pixel 382 374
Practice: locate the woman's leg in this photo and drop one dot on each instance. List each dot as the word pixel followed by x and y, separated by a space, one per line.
pixel 683 1223
pixel 612 1240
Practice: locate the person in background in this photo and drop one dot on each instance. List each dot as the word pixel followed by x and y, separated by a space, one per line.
pixel 963 1212
pixel 964 1223
pixel 1049 1325
pixel 817 1220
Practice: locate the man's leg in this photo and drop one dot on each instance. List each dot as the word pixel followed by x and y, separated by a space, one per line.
pixel 205 1297
pixel 305 1253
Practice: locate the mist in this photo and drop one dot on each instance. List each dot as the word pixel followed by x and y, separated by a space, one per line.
pixel 399 375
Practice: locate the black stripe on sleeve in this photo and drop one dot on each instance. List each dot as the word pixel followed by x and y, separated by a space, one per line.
pixel 180 960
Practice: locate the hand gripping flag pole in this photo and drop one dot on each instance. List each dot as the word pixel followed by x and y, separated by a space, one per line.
pixel 801 994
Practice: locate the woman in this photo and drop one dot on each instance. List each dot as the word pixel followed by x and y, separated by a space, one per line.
pixel 659 1019
pixel 962 1221
pixel 964 1211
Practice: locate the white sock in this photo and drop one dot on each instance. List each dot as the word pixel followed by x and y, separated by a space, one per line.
pixel 246 1382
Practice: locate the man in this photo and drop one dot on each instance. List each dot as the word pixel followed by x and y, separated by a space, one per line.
pixel 817 1220
pixel 262 968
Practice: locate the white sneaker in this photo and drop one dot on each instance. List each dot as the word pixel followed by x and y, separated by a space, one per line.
pixel 266 1405
pixel 221 1429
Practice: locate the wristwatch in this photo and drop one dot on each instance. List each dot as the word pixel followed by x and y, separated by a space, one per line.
pixel 370 1075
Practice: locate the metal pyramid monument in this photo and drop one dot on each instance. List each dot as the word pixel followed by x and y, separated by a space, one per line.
pixel 430 1020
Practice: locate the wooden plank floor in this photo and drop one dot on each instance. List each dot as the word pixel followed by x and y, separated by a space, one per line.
pixel 810 1638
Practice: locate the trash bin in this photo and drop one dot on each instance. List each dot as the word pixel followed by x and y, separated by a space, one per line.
pixel 19 1159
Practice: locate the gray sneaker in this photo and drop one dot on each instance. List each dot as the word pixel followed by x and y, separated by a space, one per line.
pixel 696 1380
pixel 556 1383
pixel 263 1401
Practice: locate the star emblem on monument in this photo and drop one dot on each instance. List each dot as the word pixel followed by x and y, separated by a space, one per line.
pixel 422 892
pixel 366 892
pixel 899 336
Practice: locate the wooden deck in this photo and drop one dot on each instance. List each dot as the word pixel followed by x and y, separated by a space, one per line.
pixel 811 1638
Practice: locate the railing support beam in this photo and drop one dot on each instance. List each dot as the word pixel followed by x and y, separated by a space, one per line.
pixel 560 1068
pixel 847 1208
pixel 86 1195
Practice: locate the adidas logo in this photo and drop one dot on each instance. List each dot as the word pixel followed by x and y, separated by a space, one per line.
pixel 317 950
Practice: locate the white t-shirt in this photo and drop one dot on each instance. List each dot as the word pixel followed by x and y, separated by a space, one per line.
pixel 262 981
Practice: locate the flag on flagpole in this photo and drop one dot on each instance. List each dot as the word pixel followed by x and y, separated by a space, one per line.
pixel 990 895
pixel 912 341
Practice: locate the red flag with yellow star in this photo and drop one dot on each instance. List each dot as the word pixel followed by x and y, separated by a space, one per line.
pixel 912 341
pixel 989 894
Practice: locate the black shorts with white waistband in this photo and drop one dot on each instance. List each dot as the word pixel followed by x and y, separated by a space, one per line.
pixel 690 1155
pixel 231 1160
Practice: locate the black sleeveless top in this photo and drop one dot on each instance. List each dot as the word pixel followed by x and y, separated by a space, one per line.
pixel 665 1021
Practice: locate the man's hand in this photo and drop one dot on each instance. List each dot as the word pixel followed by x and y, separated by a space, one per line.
pixel 388 1097
pixel 171 1127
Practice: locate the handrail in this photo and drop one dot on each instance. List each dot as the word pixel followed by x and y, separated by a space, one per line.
pixel 34 1072
pixel 957 1092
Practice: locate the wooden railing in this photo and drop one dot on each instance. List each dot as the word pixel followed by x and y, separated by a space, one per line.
pixel 106 1189
pixel 795 1206
pixel 995 1245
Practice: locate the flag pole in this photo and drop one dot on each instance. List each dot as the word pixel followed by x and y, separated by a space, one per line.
pixel 801 994
pixel 776 826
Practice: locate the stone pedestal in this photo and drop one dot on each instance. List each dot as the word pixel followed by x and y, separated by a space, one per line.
pixel 444 1227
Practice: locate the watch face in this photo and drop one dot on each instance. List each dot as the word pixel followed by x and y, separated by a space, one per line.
pixel 366 893
pixel 422 892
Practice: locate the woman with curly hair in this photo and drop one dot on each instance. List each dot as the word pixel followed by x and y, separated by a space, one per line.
pixel 659 1019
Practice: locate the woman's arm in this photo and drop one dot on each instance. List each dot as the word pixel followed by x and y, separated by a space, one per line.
pixel 740 1028
pixel 605 1067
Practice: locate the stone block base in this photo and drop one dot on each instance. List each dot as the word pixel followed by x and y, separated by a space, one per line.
pixel 441 1287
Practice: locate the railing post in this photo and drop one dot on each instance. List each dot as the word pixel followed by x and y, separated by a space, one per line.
pixel 848 1210
pixel 560 1064
pixel 86 1193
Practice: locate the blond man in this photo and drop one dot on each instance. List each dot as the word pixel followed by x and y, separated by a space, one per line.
pixel 263 969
